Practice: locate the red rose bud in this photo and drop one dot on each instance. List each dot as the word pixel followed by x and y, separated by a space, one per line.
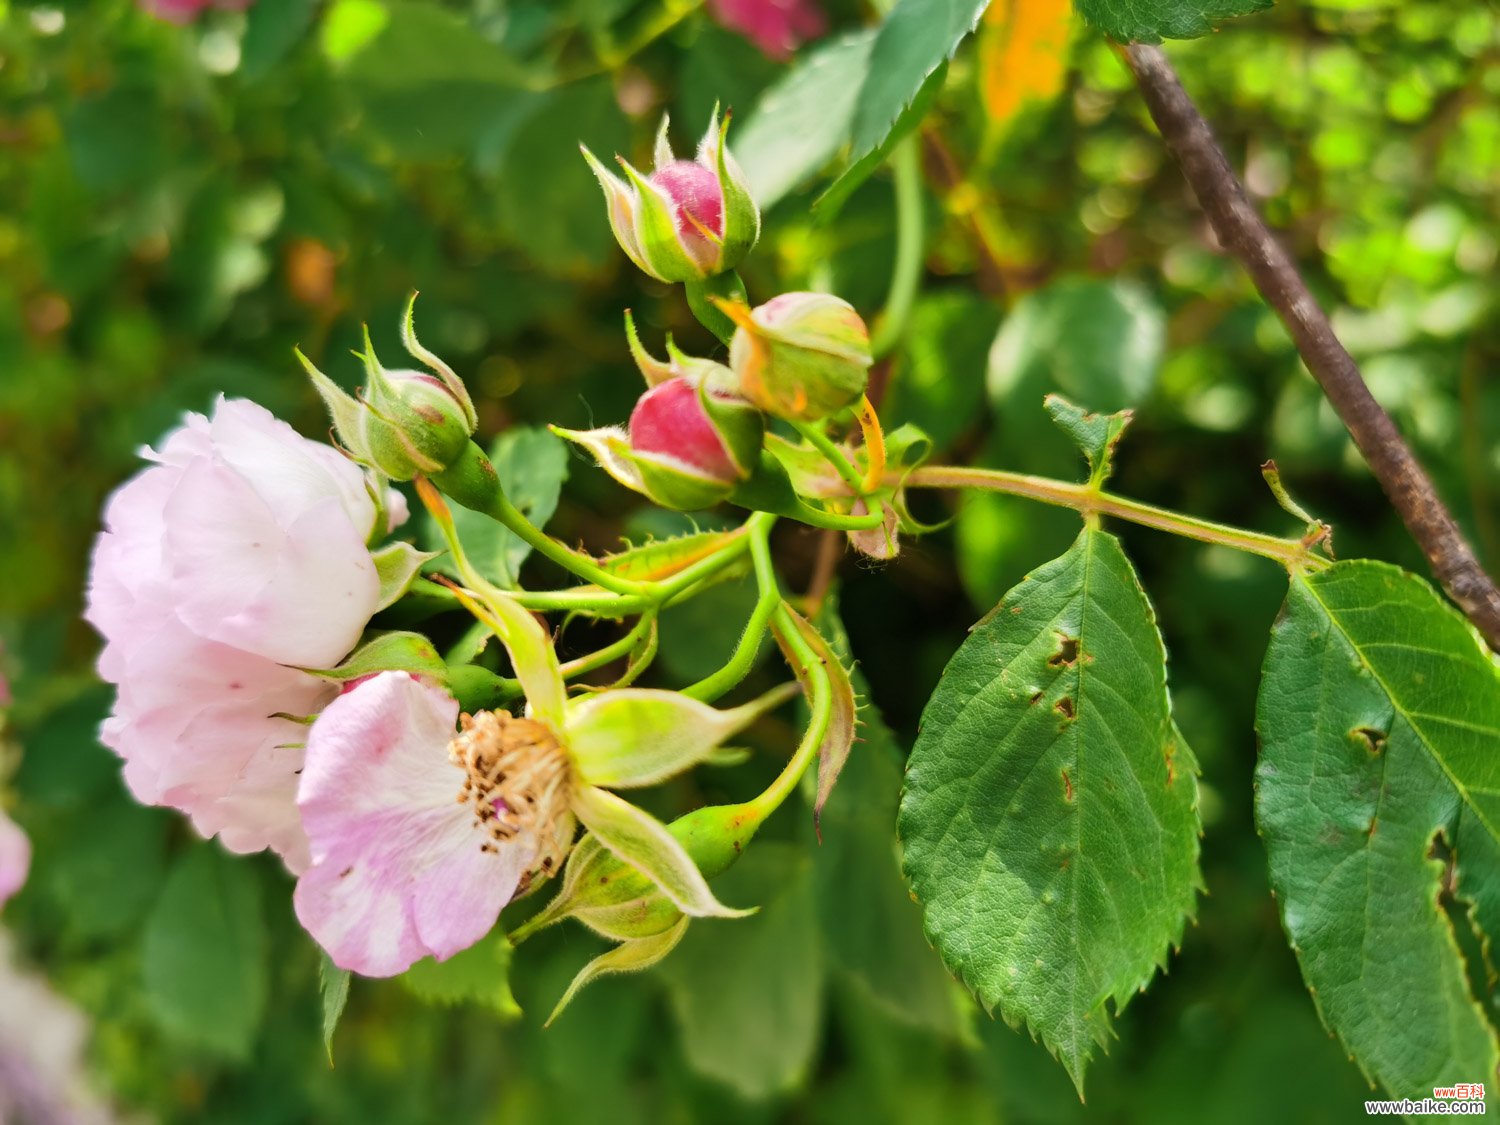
pixel 688 220
pixel 692 444
pixel 405 423
pixel 801 356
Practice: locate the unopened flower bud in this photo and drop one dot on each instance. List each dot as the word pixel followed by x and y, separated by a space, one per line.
pixel 405 423
pixel 688 220
pixel 801 356
pixel 693 443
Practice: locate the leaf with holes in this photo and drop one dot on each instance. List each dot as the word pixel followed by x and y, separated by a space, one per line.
pixel 1050 818
pixel 1151 21
pixel 1378 794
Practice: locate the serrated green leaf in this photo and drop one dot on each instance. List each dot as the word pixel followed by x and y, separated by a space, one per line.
pixel 1379 716
pixel 477 975
pixel 1096 434
pixel 1050 819
pixel 1151 21
pixel 917 38
pixel 204 957
pixel 532 465
pixel 800 123
pixel 334 983
pixel 748 993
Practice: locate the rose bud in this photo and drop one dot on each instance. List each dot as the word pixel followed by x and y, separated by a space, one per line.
pixel 692 444
pixel 404 423
pixel 800 356
pixel 688 220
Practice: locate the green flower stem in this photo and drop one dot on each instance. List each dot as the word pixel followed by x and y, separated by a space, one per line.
pixel 835 456
pixel 713 686
pixel 833 521
pixel 725 286
pixel 820 703
pixel 472 481
pixel 1294 554
pixel 611 652
pixel 911 245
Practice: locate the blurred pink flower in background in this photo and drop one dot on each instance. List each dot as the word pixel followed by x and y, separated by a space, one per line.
pixel 777 27
pixel 15 858
pixel 236 559
pixel 185 11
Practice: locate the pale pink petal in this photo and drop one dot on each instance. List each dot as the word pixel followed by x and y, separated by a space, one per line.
pixel 15 858
pixel 296 589
pixel 398 871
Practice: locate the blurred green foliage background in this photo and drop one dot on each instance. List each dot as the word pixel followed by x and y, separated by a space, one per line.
pixel 180 205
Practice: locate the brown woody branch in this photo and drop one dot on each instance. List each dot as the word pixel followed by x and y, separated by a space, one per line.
pixel 1241 229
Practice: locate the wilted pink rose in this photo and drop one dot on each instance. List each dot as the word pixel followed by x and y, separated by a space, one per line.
pixel 777 27
pixel 15 858
pixel 236 558
pixel 185 11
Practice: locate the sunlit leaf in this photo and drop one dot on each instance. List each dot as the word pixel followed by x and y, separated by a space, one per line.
pixel 1050 818
pixel 1151 21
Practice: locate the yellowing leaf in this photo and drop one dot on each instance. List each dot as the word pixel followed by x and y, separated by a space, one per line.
pixel 1023 55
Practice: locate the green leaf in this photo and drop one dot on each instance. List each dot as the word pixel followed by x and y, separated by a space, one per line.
pixel 1050 818
pixel 272 29
pixel 349 26
pixel 1151 21
pixel 204 957
pixel 863 162
pixel 748 994
pixel 1379 715
pixel 105 878
pixel 532 465
pixel 477 975
pixel 335 986
pixel 802 122
pixel 1099 342
pixel 1096 434
pixel 917 38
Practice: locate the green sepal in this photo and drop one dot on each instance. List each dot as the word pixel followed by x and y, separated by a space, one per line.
pixel 739 424
pixel 644 843
pixel 741 216
pixel 641 736
pixel 674 485
pixel 391 652
pixel 344 409
pixel 838 739
pixel 664 256
pixel 479 689
pixel 397 565
pixel 629 957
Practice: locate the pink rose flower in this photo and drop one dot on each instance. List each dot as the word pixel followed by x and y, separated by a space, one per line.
pixel 777 27
pixel 237 558
pixel 185 11
pixel 15 858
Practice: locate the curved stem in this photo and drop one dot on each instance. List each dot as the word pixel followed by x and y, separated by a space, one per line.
pixel 610 652
pixel 1294 554
pixel 815 437
pixel 817 517
pixel 711 687
pixel 911 240
pixel 820 704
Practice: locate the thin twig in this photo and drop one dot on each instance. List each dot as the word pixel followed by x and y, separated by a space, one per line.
pixel 1243 232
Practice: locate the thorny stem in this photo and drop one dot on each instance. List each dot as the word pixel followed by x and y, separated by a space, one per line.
pixel 820 703
pixel 711 687
pixel 1241 229
pixel 835 456
pixel 1294 554
pixel 611 652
